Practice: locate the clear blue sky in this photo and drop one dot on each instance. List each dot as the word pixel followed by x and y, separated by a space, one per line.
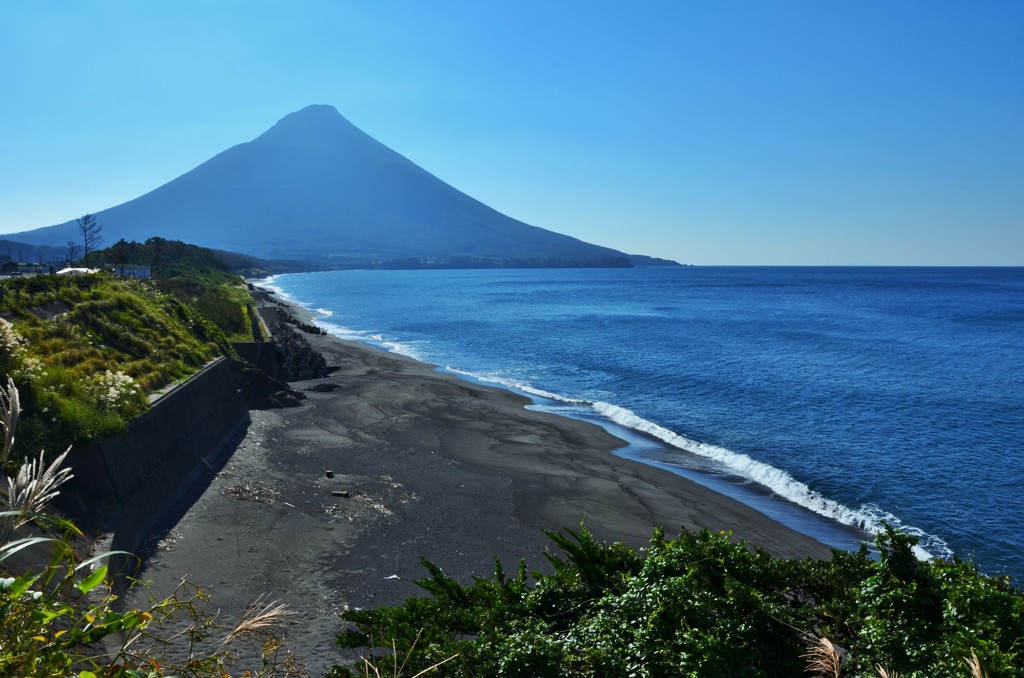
pixel 709 132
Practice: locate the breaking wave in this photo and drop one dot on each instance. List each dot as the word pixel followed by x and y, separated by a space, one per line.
pixel 867 517
pixel 778 482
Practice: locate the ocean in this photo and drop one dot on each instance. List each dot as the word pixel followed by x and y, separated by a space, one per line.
pixel 832 399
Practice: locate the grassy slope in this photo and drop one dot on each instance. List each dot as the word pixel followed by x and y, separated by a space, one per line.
pixel 85 372
pixel 219 296
pixel 84 353
pixel 198 277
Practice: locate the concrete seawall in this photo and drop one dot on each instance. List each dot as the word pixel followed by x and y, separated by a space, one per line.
pixel 126 484
pixel 260 354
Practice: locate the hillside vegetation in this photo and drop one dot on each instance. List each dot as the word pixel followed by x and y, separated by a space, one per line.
pixel 79 357
pixel 198 277
pixel 86 351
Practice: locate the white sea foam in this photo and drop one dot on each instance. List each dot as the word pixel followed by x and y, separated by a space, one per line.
pixel 405 348
pixel 868 517
pixel 340 331
pixel 773 478
pixel 269 283
pixel 517 385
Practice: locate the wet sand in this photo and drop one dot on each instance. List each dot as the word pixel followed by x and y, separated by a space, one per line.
pixel 423 464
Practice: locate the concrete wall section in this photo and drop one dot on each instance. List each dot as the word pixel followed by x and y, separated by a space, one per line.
pixel 134 479
pixel 260 354
pixel 185 424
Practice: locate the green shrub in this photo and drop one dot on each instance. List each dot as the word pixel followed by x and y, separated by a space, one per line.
pixel 702 605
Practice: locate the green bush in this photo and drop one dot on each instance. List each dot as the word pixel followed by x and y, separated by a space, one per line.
pixel 702 605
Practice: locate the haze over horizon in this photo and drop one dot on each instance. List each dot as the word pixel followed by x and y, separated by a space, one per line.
pixel 802 133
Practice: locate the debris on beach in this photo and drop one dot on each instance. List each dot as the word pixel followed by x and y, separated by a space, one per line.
pixel 252 491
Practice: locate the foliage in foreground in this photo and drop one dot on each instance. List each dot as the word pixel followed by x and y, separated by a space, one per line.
pixel 61 617
pixel 703 606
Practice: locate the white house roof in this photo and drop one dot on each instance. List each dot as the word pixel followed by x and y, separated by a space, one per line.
pixel 76 271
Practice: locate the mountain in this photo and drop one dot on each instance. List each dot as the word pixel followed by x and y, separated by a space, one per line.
pixel 29 253
pixel 315 187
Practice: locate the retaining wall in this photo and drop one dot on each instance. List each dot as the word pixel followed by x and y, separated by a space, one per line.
pixel 260 354
pixel 127 484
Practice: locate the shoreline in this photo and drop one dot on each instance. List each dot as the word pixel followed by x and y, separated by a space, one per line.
pixel 816 519
pixel 644 448
pixel 423 464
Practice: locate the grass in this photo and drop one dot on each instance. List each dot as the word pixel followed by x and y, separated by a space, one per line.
pixel 196 276
pixel 823 660
pixel 388 666
pixel 219 296
pixel 85 372
pixel 87 350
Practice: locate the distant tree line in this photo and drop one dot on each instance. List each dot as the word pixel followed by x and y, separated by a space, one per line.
pixel 159 252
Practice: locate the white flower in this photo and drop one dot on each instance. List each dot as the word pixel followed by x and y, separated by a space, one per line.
pixel 112 389
pixel 11 343
pixel 31 369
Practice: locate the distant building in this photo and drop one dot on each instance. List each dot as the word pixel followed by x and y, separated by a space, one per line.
pixel 76 271
pixel 21 270
pixel 142 271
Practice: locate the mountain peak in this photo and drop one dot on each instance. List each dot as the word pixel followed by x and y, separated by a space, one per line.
pixel 316 187
pixel 315 112
pixel 317 120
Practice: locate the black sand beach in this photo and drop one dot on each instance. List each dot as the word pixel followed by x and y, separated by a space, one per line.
pixel 423 464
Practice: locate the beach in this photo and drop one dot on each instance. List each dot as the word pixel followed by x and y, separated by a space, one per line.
pixel 330 505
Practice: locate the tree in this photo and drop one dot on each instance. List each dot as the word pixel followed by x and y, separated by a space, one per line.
pixel 90 230
pixel 119 254
pixel 702 605
pixel 158 247
pixel 72 251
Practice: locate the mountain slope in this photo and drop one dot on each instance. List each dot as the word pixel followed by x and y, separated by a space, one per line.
pixel 316 187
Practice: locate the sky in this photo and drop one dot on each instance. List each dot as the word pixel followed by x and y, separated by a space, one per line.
pixel 713 133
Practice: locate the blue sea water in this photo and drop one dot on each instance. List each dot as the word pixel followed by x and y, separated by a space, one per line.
pixel 818 395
